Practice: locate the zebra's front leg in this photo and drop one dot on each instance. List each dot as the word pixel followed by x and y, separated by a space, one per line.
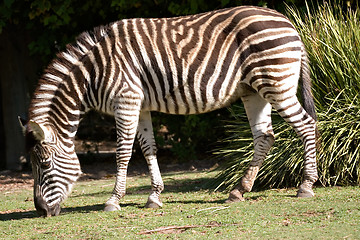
pixel 258 112
pixel 127 118
pixel 148 147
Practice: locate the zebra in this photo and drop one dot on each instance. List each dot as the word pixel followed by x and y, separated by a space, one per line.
pixel 181 65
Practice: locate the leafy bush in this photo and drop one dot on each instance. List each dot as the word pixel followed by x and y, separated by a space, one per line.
pixel 332 39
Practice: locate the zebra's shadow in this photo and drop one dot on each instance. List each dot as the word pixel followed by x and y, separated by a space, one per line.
pixel 65 210
pixel 18 215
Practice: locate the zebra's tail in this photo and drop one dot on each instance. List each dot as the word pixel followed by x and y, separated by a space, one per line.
pixel 305 85
pixel 306 93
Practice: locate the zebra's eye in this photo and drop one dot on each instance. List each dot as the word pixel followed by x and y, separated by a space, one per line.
pixel 45 164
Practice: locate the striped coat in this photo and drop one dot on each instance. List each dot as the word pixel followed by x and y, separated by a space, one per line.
pixel 183 65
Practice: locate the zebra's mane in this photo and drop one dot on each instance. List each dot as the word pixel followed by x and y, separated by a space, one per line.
pixel 58 71
pixel 74 52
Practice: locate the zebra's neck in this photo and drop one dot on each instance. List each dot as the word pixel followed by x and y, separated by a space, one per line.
pixel 70 84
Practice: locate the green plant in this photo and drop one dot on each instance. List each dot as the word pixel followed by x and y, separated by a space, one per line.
pixel 332 38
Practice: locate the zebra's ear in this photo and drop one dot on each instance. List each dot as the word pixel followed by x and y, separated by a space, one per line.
pixel 36 131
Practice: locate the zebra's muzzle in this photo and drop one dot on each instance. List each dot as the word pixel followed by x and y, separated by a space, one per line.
pixel 42 207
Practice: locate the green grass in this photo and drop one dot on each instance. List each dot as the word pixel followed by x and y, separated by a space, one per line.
pixel 273 214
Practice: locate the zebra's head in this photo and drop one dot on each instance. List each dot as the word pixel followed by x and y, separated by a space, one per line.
pixel 55 167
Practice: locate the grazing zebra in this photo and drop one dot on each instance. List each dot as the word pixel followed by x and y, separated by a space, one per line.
pixel 182 65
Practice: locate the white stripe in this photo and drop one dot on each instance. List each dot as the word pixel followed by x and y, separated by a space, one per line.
pixel 70 58
pixel 53 77
pixel 216 32
pixel 147 61
pixel 61 68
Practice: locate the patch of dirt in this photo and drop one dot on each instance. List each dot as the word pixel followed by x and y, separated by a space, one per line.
pixel 10 180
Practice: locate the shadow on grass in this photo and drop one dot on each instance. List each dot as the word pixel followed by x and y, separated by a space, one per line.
pixel 177 185
pixel 33 214
pixel 64 211
pixel 18 215
pixel 96 194
pixel 83 209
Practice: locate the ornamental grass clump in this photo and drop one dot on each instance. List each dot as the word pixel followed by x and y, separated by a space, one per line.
pixel 332 39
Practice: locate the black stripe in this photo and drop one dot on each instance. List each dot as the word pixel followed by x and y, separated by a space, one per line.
pixel 267 62
pixel 145 72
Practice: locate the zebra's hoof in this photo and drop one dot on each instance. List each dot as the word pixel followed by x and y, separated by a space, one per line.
pixel 235 196
pixel 111 207
pixel 302 193
pixel 153 204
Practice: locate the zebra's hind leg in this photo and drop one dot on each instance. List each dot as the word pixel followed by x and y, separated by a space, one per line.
pixel 305 127
pixel 126 118
pixel 258 112
pixel 148 147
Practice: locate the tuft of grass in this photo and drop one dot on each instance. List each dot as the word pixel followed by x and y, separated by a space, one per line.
pixel 190 211
pixel 332 39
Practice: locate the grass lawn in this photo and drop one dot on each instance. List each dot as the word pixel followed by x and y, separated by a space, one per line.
pixel 190 211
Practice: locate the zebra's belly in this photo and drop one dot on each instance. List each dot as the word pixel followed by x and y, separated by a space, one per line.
pixel 195 105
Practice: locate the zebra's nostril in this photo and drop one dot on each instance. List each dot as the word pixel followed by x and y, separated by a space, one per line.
pixel 44 210
pixel 41 206
pixel 56 210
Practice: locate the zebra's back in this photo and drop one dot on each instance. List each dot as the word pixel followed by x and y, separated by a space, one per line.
pixel 199 63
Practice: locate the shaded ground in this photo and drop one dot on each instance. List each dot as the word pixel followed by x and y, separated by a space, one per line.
pixel 10 180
